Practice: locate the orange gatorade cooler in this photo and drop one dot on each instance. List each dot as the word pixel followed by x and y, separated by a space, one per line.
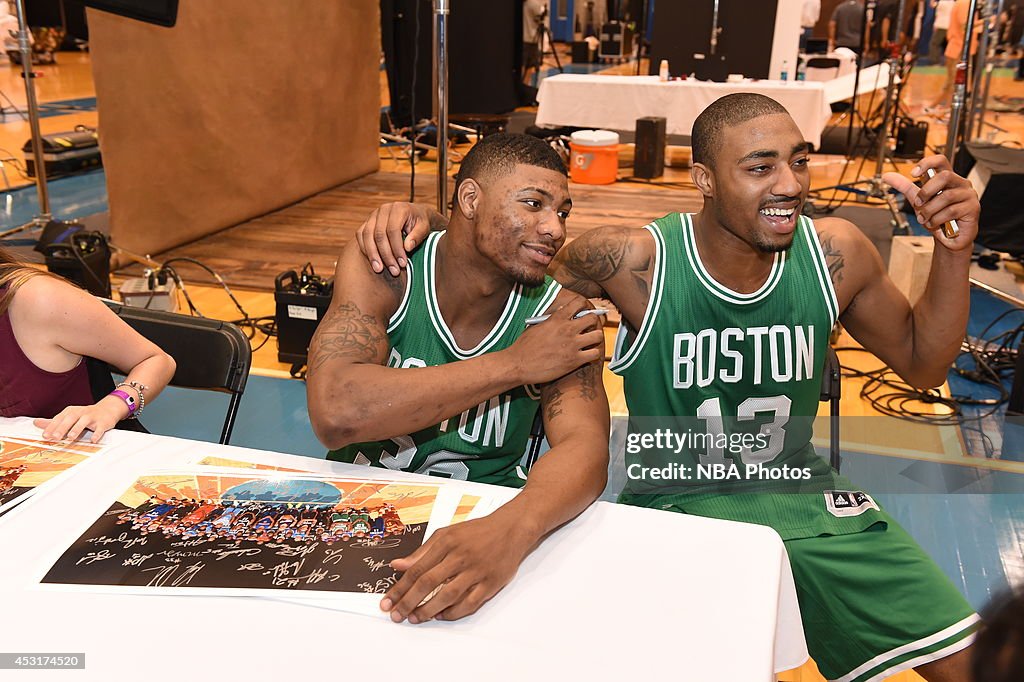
pixel 594 157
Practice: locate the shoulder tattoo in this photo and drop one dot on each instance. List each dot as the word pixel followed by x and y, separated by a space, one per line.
pixel 834 259
pixel 596 257
pixel 347 332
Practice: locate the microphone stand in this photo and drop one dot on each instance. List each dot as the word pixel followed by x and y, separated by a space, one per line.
pixel 441 11
pixel 960 88
pixel 44 216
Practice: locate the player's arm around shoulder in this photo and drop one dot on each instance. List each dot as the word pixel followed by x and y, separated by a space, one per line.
pixel 617 262
pixel 351 336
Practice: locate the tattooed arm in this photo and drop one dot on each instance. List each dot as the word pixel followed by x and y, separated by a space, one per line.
pixel 919 342
pixel 354 397
pixel 470 562
pixel 616 262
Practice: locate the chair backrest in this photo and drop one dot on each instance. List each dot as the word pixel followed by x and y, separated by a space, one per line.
pixel 210 354
pixel 831 392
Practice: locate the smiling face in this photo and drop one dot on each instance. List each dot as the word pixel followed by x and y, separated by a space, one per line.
pixel 758 181
pixel 519 219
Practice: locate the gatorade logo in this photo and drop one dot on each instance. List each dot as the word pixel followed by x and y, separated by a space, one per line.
pixel 582 160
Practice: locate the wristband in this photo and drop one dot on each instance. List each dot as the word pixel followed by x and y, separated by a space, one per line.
pixel 129 401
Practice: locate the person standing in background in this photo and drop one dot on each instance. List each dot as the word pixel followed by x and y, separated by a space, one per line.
pixel 942 9
pixel 808 18
pixel 955 36
pixel 533 15
pixel 846 28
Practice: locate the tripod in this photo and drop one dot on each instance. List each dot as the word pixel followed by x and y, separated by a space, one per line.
pixel 32 105
pixel 544 37
pixel 877 188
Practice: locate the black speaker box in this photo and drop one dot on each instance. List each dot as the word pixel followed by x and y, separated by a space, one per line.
pixel 834 140
pixel 997 172
pixel 649 159
pixel 581 52
pixel 911 138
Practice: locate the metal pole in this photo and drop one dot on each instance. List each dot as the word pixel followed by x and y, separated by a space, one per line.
pixel 981 107
pixel 960 88
pixel 894 65
pixel 714 29
pixel 441 10
pixel 33 114
pixel 975 72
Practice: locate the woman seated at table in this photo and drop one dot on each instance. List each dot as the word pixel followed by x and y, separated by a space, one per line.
pixel 47 326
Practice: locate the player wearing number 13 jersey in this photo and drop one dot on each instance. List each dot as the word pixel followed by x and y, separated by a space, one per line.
pixel 726 315
pixel 739 363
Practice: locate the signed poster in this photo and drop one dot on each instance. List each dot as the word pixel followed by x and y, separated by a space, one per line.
pixel 26 464
pixel 245 532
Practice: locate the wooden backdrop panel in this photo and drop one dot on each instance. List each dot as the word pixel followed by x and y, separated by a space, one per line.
pixel 244 107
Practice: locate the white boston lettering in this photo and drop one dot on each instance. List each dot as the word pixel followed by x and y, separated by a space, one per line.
pixel 756 355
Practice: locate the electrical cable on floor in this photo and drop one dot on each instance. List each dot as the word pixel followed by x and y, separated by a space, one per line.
pixel 266 325
pixel 993 362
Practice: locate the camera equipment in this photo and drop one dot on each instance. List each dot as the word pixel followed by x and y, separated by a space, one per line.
pixel 66 153
pixel 302 300
pixel 78 255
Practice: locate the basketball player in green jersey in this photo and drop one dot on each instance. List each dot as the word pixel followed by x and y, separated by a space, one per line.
pixel 726 315
pixel 437 372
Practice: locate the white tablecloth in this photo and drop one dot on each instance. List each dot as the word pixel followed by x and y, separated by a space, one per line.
pixel 618 592
pixel 616 102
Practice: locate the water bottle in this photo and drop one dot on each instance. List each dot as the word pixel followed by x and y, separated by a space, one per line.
pixel 784 75
pixel 663 71
pixel 801 70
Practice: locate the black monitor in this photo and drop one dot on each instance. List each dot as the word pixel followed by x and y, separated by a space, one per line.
pixel 160 12
pixel 816 46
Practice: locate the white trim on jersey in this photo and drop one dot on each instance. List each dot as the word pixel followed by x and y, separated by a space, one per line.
pixel 717 288
pixel 922 643
pixel 821 267
pixel 547 299
pixel 437 319
pixel 956 646
pixel 620 362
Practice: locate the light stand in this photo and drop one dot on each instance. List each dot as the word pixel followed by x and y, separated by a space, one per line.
pixel 980 107
pixel 876 187
pixel 956 112
pixel 544 34
pixel 32 105
pixel 441 11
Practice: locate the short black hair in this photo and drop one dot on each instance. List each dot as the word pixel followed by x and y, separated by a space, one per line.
pixel 501 152
pixel 731 110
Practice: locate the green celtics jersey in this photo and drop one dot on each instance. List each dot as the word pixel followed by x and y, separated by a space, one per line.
pixel 486 443
pixel 740 373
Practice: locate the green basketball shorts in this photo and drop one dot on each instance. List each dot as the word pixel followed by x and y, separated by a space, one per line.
pixel 873 603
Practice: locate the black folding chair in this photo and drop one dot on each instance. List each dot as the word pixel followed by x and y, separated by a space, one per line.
pixel 210 354
pixel 831 391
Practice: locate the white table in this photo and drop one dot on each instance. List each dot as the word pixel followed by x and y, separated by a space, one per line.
pixel 616 102
pixel 619 592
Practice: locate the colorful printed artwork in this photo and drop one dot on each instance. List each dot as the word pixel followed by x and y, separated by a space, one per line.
pixel 236 531
pixel 26 464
